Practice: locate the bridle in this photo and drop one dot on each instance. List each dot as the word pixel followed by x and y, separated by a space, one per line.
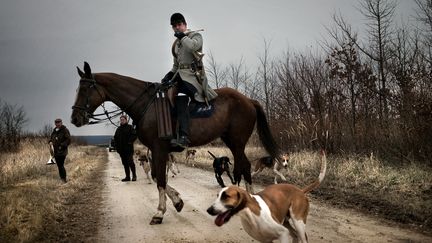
pixel 110 114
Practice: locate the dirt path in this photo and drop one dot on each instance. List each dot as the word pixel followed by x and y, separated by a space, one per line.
pixel 130 206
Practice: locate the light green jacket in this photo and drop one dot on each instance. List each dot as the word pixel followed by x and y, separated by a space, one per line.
pixel 183 51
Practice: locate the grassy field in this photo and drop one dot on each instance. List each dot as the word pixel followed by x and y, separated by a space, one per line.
pixel 399 193
pixel 34 204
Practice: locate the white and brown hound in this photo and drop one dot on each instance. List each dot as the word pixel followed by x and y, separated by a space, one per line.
pixel 269 162
pixel 190 155
pixel 144 161
pixel 171 164
pixel 266 216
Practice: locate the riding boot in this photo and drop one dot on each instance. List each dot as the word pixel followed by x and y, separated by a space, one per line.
pixel 183 122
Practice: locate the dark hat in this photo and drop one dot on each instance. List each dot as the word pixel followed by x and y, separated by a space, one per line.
pixel 58 120
pixel 177 18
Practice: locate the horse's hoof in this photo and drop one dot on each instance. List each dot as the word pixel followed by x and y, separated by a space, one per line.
pixel 179 206
pixel 156 220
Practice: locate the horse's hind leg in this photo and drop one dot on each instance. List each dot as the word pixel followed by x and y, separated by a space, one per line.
pixel 242 165
pixel 175 198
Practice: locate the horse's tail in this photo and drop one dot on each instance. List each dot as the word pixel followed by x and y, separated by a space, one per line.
pixel 264 131
pixel 214 157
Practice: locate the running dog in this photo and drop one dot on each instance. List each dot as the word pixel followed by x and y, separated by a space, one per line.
pixel 266 216
pixel 269 162
pixel 221 165
pixel 146 159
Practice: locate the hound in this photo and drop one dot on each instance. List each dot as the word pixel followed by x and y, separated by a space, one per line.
pixel 221 165
pixel 269 162
pixel 171 164
pixel 144 161
pixel 190 155
pixel 266 216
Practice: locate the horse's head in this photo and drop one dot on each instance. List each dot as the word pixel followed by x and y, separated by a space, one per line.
pixel 89 97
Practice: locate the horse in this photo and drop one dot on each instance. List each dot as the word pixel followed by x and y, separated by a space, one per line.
pixel 233 121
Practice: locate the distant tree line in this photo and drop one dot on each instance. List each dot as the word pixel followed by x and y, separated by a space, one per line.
pixel 362 93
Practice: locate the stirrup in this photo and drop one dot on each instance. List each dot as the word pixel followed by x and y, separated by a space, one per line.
pixel 182 142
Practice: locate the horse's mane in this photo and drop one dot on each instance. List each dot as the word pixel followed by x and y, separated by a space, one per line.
pixel 119 78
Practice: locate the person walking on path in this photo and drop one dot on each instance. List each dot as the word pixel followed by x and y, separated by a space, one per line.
pixel 124 138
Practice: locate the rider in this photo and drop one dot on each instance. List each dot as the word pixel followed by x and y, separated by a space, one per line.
pixel 188 74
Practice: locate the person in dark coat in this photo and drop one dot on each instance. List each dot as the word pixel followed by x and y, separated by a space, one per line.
pixel 124 138
pixel 60 140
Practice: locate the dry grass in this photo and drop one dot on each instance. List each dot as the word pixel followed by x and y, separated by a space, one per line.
pixel 402 194
pixel 32 197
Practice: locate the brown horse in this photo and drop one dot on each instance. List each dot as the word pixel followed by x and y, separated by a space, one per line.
pixel 233 121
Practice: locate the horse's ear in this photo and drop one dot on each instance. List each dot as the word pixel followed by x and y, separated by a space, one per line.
pixel 80 73
pixel 87 70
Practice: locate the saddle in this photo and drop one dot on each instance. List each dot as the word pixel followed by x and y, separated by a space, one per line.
pixel 201 109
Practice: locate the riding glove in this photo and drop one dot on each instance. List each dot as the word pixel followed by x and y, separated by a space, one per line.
pixel 167 77
pixel 179 35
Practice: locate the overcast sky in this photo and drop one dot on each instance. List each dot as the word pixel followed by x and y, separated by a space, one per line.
pixel 42 41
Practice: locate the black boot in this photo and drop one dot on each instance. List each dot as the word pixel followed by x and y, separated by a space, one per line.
pixel 127 172
pixel 183 122
pixel 132 166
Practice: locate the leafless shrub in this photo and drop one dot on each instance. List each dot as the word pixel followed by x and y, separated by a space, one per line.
pixel 12 121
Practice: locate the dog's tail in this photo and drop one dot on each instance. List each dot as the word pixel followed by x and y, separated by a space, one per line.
pixel 316 183
pixel 214 157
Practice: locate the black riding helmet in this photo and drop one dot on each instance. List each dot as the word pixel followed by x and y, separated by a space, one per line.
pixel 177 18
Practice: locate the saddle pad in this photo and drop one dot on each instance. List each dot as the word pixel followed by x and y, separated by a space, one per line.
pixel 201 110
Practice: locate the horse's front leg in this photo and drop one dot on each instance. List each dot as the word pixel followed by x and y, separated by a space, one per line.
pixel 158 217
pixel 160 158
pixel 175 198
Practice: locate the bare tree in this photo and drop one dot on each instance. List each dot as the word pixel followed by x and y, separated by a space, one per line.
pixel 266 75
pixel 379 14
pixel 352 77
pixel 238 74
pixel 46 130
pixel 216 72
pixel 12 120
pixel 424 15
